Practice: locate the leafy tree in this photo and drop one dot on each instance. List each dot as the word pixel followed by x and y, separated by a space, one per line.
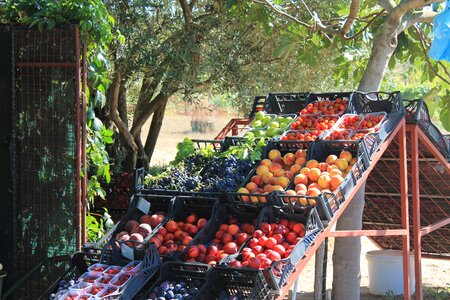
pixel 373 36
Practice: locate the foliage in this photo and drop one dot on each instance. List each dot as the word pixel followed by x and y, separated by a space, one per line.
pixel 97 225
pixel 95 21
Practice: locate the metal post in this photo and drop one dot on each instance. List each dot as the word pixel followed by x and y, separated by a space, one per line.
pixel 405 212
pixel 77 138
pixel 294 289
pixel 416 211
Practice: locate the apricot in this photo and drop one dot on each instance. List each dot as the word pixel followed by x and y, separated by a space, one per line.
pixel 277 187
pixel 289 159
pixel 290 193
pixel 305 171
pixel 335 172
pixel 312 163
pixel 261 170
pixel 257 180
pixel 300 187
pixel 267 178
pixel 282 181
pixel 301 178
pixel 313 192
pixel 341 163
pixel 279 172
pixel 346 155
pixel 322 166
pixel 332 167
pixel 300 153
pixel 314 174
pixel 295 168
pixel 300 161
pixel 336 181
pixel 266 162
pixel 331 159
pixel 324 181
pixel 273 154
pixel 353 161
pixel 251 186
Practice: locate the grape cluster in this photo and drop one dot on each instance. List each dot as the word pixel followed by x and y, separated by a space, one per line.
pixel 174 290
pixel 203 174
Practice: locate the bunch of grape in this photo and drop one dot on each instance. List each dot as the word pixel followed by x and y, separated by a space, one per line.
pixel 174 290
pixel 226 174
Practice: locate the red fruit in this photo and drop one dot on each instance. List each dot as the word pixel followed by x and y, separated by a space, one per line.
pixel 245 264
pixel 258 234
pixel 224 227
pixel 265 227
pixel 180 223
pixel 155 220
pixel 286 245
pixel 171 226
pixel 219 234
pixel 262 241
pixel 280 249
pixel 186 240
pixel 201 223
pixel 185 226
pixel 226 238
pixel 162 250
pixel 192 230
pixel 270 243
pixel 201 248
pixel 172 247
pixel 245 226
pixel 213 250
pixel 247 255
pixel 210 258
pixel 131 225
pixel 192 219
pixel 246 249
pixel 137 237
pixel 258 249
pixel 163 231
pixel 156 241
pixel 169 237
pixel 281 229
pixel 292 224
pixel 284 222
pixel 121 234
pixel 254 263
pixel 201 257
pixel 230 248
pixel 253 242
pixel 250 229
pixel 193 252
pixel 235 264
pixel 291 236
pixel 181 248
pixel 266 262
pixel 274 256
pixel 299 228
pixel 233 229
pixel 241 238
pixel 279 238
pixel 261 256
pixel 216 242
pixel 145 219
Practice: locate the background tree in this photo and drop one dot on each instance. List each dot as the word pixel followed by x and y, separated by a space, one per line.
pixel 373 36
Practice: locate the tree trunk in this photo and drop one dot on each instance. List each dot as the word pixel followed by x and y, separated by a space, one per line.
pixel 155 128
pixel 122 107
pixel 347 251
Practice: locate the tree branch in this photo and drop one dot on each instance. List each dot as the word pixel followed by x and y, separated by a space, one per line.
pixel 351 17
pixel 422 17
pixel 388 5
pixel 365 27
pixel 427 58
pixel 282 13
pixel 192 4
pixel 187 13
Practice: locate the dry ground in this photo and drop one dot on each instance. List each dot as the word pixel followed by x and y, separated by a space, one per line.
pixel 436 273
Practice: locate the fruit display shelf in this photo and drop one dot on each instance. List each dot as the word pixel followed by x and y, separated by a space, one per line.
pixel 417 113
pixel 286 103
pixel 130 237
pixel 235 283
pixel 282 236
pixel 226 232
pixel 327 104
pixel 87 271
pixel 284 154
pixel 259 104
pixel 176 280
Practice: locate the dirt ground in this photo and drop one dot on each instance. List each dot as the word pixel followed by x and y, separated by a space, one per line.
pixel 435 273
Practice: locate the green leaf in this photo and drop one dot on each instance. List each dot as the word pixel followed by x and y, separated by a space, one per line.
pixel 444 117
pixel 41 26
pixel 100 99
pixel 51 24
pixel 288 44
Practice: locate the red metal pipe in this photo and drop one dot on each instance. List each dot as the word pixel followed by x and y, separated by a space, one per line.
pixel 375 232
pixel 430 228
pixel 83 140
pixel 424 138
pixel 416 211
pixel 405 212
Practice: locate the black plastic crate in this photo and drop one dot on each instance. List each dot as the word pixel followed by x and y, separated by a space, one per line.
pixel 222 215
pixel 183 207
pixel 81 261
pixel 313 97
pixel 174 193
pixel 278 273
pixel 417 113
pixel 139 179
pixel 259 104
pixel 389 102
pixel 140 205
pixel 286 103
pixel 247 283
pixel 191 274
pixel 215 145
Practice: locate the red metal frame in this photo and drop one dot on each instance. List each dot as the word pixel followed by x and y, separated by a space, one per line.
pixel 79 227
pixel 234 125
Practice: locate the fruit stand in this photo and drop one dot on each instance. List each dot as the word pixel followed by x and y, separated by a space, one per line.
pixel 240 226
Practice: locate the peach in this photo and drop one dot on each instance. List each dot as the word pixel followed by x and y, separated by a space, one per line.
pixel 341 163
pixel 201 223
pixel 274 167
pixel 251 186
pixel 131 225
pixel 289 174
pixel 257 180
pixel 254 263
pixel 192 230
pixel 145 219
pixel 346 155
pixel 314 174
pixel 332 167
pixel 301 178
pixel 193 252
pixel 295 168
pixel 300 153
pixel 331 159
pixel 192 219
pixel 274 153
pixel 282 181
pixel 233 229
pixel 230 248
pixel 267 188
pixel 301 192
pixel 186 240
pixel 305 171
pixel 270 243
pixel 279 172
pixel 277 188
pixel 312 163
pixel 290 193
pixel 136 237
pixel 324 181
pixel 313 192
pixel 267 178
pixel 336 180
pixel 300 161
pixel 349 168
pixel 243 191
pixel 278 160
pixel 314 185
pixel 261 170
pixel 352 161
pixel 335 172
pixel 144 230
pixel 226 238
pixel 322 166
pixel 266 162
pixel 120 235
pixel 171 226
pixel 289 159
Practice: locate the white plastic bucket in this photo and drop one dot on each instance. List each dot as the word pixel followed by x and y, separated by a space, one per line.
pixel 386 272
